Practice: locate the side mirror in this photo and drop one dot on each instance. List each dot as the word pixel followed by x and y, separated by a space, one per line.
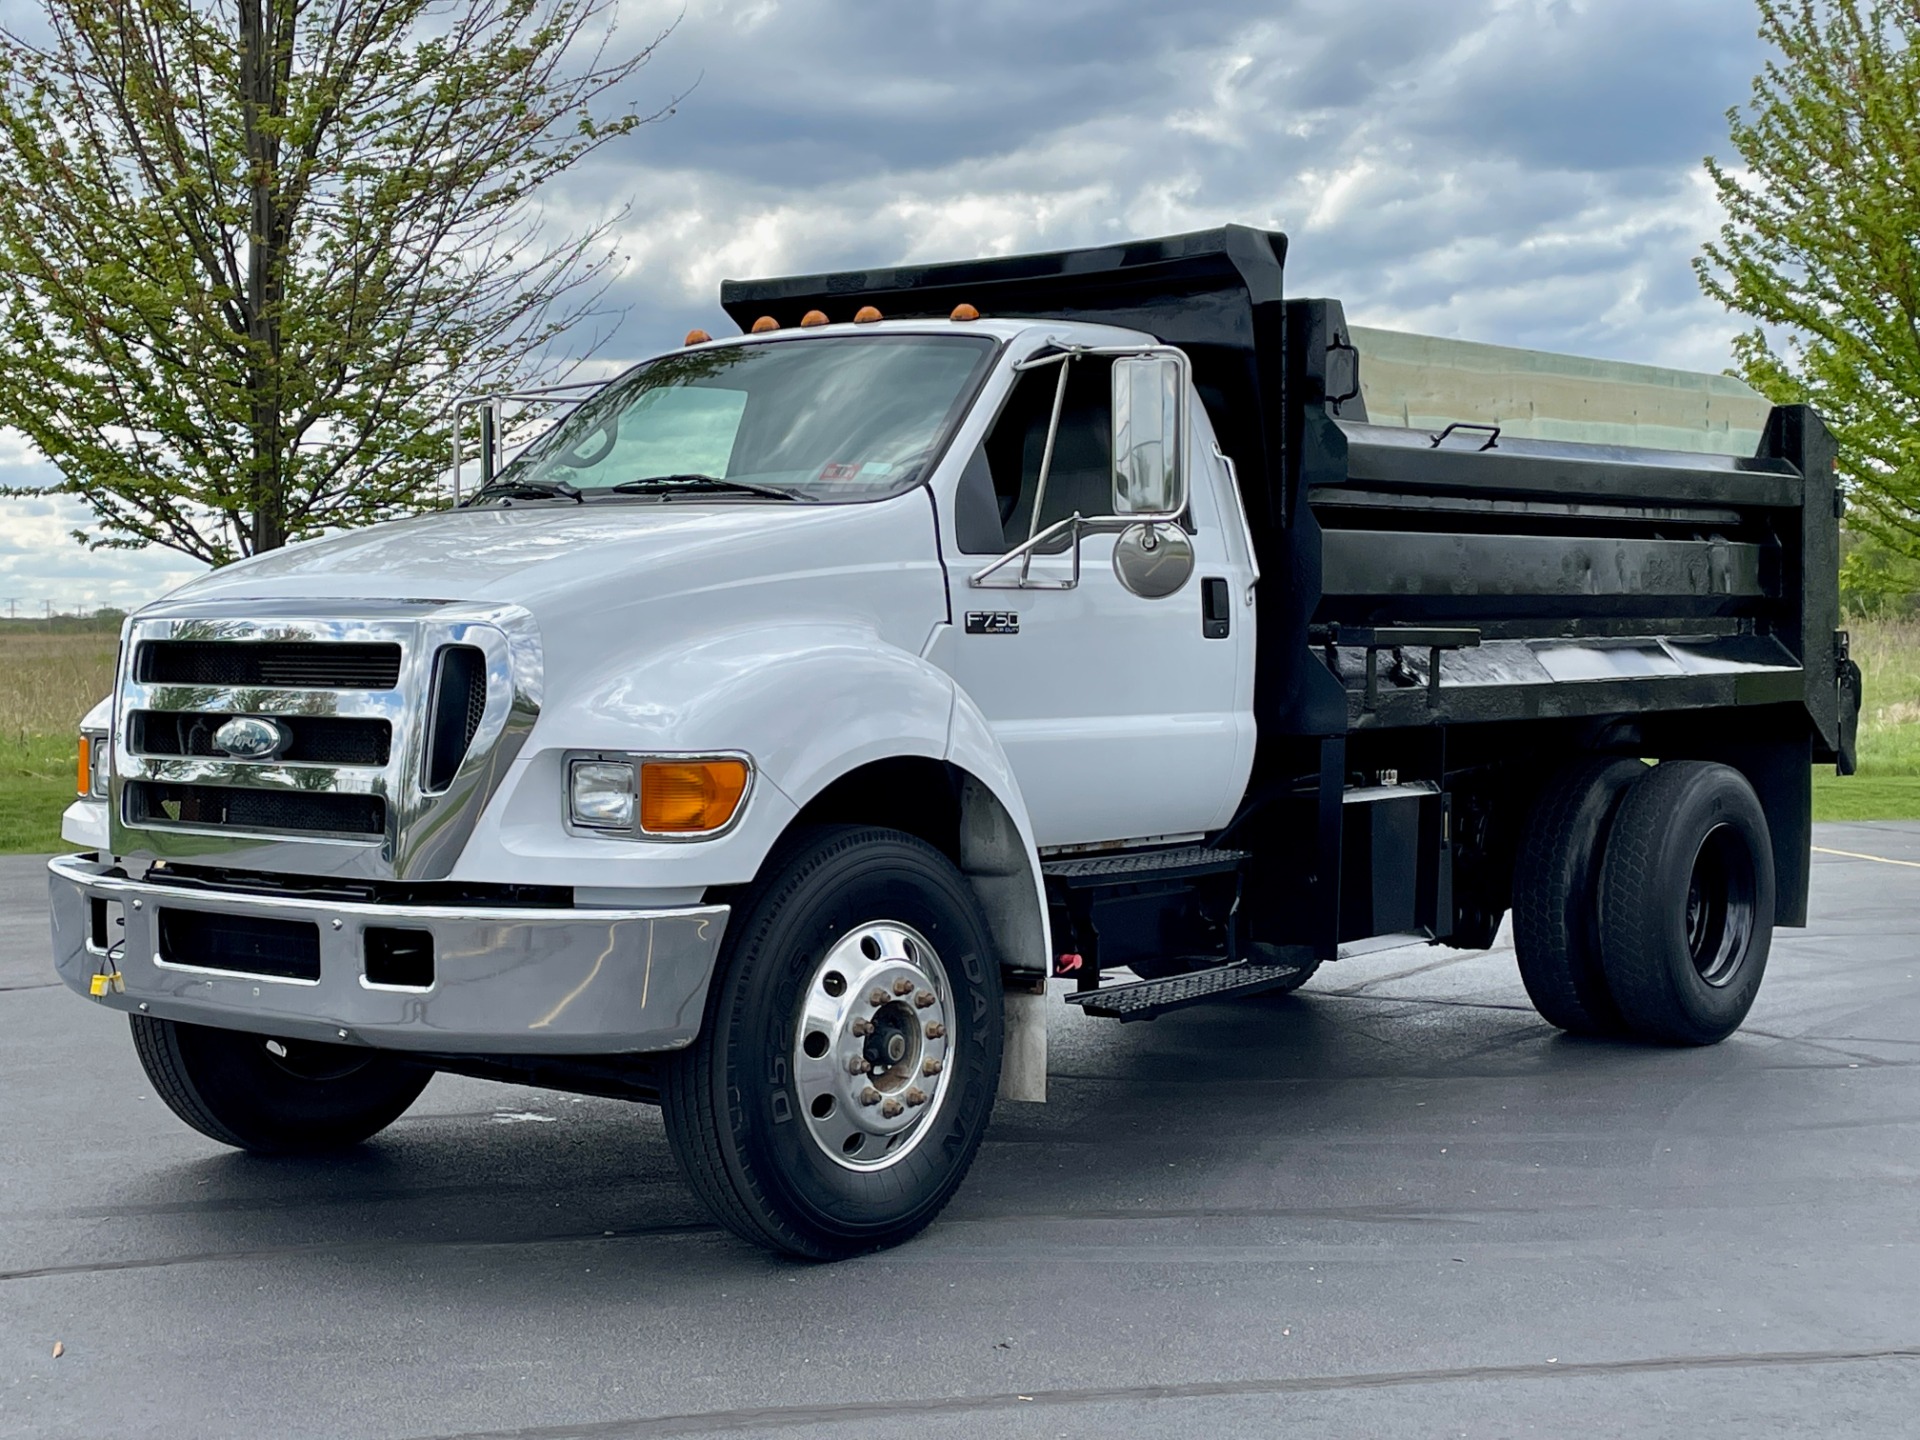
pixel 1149 450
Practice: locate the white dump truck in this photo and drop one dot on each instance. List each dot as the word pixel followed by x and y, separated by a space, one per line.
pixel 761 739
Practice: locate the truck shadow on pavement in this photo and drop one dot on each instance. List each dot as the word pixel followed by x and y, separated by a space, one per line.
pixel 1303 1107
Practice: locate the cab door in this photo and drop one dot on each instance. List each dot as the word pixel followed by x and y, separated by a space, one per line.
pixel 1126 714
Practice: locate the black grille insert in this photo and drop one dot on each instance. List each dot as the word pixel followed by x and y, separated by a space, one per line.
pixel 459 703
pixel 319 739
pixel 220 807
pixel 290 664
pixel 246 944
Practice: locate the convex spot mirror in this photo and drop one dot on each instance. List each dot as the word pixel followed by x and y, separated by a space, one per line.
pixel 1149 473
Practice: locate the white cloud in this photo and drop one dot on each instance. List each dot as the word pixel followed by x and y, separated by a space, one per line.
pixel 1523 171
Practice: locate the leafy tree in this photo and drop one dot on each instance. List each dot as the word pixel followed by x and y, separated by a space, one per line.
pixel 1876 581
pixel 250 248
pixel 1819 244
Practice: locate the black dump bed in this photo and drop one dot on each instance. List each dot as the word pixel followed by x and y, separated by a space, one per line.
pixel 1549 580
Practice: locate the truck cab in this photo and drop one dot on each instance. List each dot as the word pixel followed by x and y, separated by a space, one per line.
pixel 765 735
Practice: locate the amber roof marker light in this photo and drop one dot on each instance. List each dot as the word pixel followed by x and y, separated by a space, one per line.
pixel 764 324
pixel 865 315
pixel 964 311
pixel 696 337
pixel 813 318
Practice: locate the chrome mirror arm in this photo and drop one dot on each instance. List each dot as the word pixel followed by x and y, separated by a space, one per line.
pixel 1023 552
pixel 1046 469
pixel 495 403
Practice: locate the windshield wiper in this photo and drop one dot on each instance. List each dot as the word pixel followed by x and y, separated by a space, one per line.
pixel 530 490
pixel 667 484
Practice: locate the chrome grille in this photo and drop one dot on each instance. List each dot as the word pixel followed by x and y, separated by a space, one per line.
pixel 322 739
pixel 226 807
pixel 296 665
pixel 360 786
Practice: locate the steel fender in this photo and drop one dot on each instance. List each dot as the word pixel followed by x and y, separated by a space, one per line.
pixel 1002 861
pixel 809 702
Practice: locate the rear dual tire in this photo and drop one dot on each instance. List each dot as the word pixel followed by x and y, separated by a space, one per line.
pixel 1686 903
pixel 1644 900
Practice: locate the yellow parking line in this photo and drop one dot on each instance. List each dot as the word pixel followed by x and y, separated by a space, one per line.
pixel 1877 859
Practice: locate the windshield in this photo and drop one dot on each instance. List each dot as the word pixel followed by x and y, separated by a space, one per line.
pixel 837 418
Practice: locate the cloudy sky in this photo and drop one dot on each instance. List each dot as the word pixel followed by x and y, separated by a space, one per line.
pixel 1520 171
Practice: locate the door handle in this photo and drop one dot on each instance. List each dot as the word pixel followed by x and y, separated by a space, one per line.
pixel 1216 608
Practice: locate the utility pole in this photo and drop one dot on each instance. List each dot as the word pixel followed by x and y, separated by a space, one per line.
pixel 13 608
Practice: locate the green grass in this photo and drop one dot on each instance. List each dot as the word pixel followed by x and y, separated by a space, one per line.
pixel 1865 797
pixel 49 678
pixel 1888 785
pixel 37 782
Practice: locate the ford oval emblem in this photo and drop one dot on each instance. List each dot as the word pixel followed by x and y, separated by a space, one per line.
pixel 247 737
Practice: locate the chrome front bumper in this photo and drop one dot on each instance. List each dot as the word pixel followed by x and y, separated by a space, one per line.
pixel 506 981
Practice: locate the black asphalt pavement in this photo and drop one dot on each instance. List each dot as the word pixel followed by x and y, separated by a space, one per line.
pixel 1395 1204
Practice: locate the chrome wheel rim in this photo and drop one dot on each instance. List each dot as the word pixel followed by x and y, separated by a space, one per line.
pixel 871 1045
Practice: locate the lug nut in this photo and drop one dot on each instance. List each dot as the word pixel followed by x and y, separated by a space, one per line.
pixel 929 1067
pixel 916 1096
pixel 936 1031
pixel 857 1065
pixel 902 986
pixel 869 1096
pixel 923 1000
pixel 892 1109
pixel 862 1027
pixel 877 998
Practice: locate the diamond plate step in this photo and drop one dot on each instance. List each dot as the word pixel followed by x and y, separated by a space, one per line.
pixel 1128 866
pixel 1147 998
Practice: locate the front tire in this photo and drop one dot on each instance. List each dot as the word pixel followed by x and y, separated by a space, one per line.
pixel 271 1096
pixel 860 947
pixel 1686 903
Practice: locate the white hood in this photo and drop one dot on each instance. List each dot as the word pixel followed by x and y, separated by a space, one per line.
pixel 527 553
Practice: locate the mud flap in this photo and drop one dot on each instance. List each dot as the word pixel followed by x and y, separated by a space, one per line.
pixel 1847 751
pixel 1023 1058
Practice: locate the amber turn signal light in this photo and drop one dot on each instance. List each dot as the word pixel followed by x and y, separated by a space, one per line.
pixel 764 324
pixel 85 783
pixel 690 797
pixel 696 337
pixel 812 318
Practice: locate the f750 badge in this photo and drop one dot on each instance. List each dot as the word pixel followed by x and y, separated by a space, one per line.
pixel 993 622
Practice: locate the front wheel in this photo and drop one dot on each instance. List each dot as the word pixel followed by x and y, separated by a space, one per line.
pixel 850 1052
pixel 273 1096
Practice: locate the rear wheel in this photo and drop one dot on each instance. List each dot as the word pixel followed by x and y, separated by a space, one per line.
pixel 1686 902
pixel 273 1096
pixel 1556 895
pixel 850 1052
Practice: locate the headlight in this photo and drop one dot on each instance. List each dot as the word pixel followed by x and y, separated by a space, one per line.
pixel 668 797
pixel 96 760
pixel 603 794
